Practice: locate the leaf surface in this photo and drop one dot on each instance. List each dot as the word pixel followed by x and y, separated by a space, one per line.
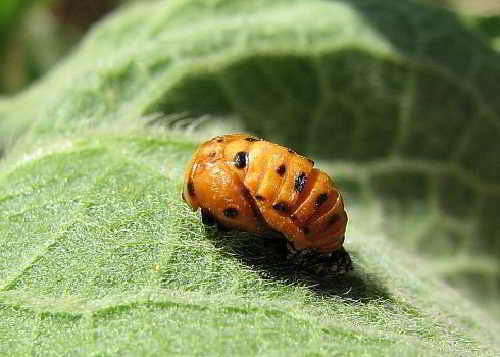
pixel 98 254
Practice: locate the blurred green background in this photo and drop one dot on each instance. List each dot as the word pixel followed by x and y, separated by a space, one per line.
pixel 35 34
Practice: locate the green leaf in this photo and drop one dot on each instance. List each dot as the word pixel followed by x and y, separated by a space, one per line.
pixel 489 26
pixel 10 11
pixel 397 100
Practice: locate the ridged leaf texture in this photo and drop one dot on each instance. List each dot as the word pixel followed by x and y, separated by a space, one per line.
pixel 397 100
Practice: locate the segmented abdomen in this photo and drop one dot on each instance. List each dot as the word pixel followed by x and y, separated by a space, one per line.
pixel 250 184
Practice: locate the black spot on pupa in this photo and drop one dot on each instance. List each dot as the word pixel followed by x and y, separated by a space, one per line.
pixel 281 170
pixel 311 161
pixel 320 200
pixel 222 227
pixel 207 218
pixel 240 160
pixel 259 198
pixel 219 140
pixel 250 139
pixel 300 182
pixel 271 233
pixel 281 206
pixel 190 187
pixel 231 212
pixel 291 151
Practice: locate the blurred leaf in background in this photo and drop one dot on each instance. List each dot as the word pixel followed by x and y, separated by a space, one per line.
pixel 35 34
pixel 398 100
pixel 483 7
pixel 482 15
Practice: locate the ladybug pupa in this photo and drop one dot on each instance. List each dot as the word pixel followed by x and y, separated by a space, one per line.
pixel 245 183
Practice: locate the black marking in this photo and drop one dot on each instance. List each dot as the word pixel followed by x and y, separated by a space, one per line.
pixel 281 170
pixel 241 159
pixel 183 198
pixel 190 188
pixel 219 140
pixel 271 233
pixel 207 218
pixel 281 206
pixel 311 161
pixel 291 151
pixel 259 198
pixel 320 199
pixel 231 212
pixel 222 227
pixel 250 139
pixel 300 182
pixel 212 154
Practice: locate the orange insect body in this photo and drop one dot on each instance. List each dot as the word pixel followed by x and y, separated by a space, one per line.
pixel 257 186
